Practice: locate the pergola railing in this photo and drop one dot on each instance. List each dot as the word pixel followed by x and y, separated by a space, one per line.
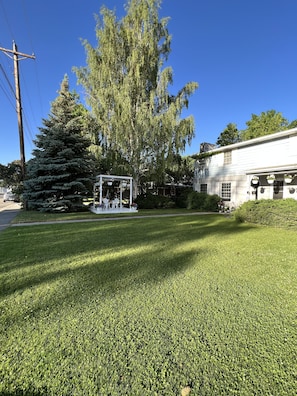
pixel 104 182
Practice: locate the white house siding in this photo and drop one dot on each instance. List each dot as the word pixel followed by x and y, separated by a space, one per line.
pixel 275 154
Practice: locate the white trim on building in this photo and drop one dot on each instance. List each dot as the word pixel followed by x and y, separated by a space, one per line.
pixel 228 171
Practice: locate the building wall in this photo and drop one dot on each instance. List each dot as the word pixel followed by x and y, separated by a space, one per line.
pixel 276 151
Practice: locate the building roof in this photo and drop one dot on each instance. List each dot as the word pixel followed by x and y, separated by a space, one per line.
pixel 258 140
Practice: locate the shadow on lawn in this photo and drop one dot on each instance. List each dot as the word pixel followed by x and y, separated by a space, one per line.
pixel 141 251
pixel 21 392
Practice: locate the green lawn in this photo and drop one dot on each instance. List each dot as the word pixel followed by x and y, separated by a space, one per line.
pixel 147 307
pixel 34 216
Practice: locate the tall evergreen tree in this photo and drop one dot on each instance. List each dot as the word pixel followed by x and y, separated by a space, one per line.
pixel 59 175
pixel 229 135
pixel 127 89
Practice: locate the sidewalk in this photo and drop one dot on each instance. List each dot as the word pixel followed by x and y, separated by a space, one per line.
pixel 8 211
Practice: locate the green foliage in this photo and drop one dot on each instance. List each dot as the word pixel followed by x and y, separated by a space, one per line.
pixel 147 307
pixel 195 200
pixel 293 124
pixel 211 203
pixel 264 124
pixel 153 201
pixel 127 89
pixel 185 198
pixel 229 135
pixel 60 174
pixel 202 201
pixel 181 170
pixel 12 177
pixel 182 196
pixel 277 213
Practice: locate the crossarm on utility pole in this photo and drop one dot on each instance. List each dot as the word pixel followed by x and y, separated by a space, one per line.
pixel 16 59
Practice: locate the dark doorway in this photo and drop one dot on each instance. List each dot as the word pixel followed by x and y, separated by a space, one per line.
pixel 278 189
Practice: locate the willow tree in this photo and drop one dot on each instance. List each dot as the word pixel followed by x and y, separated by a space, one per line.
pixel 126 87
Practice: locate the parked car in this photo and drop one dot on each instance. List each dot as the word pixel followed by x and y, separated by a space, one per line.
pixel 8 196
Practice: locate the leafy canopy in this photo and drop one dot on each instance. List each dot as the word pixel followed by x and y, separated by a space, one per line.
pixel 264 124
pixel 127 89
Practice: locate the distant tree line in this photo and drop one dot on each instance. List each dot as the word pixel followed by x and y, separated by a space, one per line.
pixel 259 125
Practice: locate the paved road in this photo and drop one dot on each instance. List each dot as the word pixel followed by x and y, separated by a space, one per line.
pixel 8 210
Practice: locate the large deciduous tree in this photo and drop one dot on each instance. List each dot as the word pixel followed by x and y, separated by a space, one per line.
pixel 60 173
pixel 264 124
pixel 293 124
pixel 12 174
pixel 126 87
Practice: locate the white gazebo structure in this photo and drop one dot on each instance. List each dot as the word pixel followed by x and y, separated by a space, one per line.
pixel 108 195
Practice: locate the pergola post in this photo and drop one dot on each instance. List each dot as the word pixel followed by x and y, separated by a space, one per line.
pixel 100 190
pixel 111 179
pixel 131 191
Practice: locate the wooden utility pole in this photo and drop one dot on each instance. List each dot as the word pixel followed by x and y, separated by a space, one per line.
pixel 17 56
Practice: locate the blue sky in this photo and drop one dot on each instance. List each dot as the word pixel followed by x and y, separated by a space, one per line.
pixel 241 53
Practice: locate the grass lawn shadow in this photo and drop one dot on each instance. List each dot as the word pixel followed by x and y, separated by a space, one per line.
pixel 68 263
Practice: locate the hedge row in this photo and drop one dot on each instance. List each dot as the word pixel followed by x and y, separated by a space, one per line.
pixel 278 213
pixel 186 198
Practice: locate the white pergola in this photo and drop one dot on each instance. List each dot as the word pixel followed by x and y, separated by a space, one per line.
pixel 103 203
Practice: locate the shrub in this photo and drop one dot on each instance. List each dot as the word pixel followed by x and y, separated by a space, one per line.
pixel 182 196
pixel 195 200
pixel 151 201
pixel 279 213
pixel 211 203
pixel 187 198
pixel 202 201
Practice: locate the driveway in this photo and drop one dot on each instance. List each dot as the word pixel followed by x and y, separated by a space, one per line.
pixel 8 210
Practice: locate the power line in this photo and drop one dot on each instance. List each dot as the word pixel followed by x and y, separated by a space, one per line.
pixel 27 25
pixel 17 56
pixel 4 89
pixel 7 96
pixel 7 79
pixel 28 130
pixel 6 20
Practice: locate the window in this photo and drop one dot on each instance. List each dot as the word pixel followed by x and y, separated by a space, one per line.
pixel 203 188
pixel 226 191
pixel 227 157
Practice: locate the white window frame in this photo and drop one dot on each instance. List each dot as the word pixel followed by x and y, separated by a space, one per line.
pixel 226 190
pixel 227 157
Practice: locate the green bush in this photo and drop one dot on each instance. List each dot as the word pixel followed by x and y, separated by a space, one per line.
pixel 187 198
pixel 182 196
pixel 202 201
pixel 211 203
pixel 278 213
pixel 151 201
pixel 196 200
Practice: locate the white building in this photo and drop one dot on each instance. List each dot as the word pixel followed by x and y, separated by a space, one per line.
pixel 240 171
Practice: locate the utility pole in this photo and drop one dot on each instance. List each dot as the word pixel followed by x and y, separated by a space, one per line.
pixel 17 56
